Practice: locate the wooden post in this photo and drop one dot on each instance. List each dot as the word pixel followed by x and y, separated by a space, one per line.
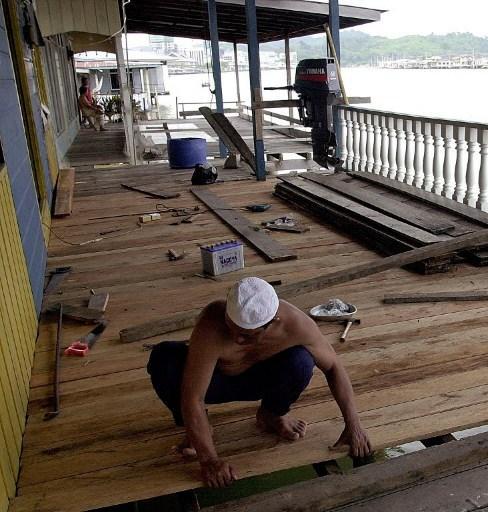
pixel 288 72
pixel 216 70
pixel 125 95
pixel 236 69
pixel 256 93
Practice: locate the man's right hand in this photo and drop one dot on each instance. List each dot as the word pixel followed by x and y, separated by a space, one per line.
pixel 217 473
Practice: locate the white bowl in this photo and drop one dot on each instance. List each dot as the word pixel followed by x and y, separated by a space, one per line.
pixel 320 313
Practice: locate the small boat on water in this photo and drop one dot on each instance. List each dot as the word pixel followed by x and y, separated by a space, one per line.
pixel 205 84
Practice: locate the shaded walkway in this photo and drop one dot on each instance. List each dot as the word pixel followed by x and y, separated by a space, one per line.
pixel 92 148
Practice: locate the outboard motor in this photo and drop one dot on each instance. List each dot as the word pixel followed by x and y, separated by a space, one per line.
pixel 317 85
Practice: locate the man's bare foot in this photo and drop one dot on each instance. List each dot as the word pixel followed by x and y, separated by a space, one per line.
pixel 286 427
pixel 186 449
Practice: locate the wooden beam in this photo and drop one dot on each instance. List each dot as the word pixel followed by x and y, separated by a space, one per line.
pixel 368 481
pixel 380 203
pixel 169 324
pixel 79 313
pixel 64 192
pixel 261 105
pixel 384 243
pixel 375 218
pixel 320 282
pixel 455 296
pixel 207 113
pixel 271 249
pixel 156 195
pixel 468 212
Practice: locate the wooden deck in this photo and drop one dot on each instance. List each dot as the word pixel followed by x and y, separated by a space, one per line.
pixel 98 148
pixel 278 141
pixel 418 369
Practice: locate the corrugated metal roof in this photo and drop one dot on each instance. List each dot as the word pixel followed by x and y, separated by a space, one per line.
pixel 276 18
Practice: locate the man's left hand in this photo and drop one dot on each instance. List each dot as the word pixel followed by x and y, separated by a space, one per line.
pixel 357 439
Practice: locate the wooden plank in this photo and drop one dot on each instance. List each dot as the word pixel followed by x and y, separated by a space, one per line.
pixel 162 195
pixel 98 302
pixel 465 211
pixel 163 472
pixel 383 222
pixel 460 491
pixel 388 206
pixel 208 115
pixel 404 298
pixel 382 242
pixel 227 127
pixel 80 313
pixel 333 491
pixel 64 192
pixel 464 242
pixel 169 324
pixel 271 249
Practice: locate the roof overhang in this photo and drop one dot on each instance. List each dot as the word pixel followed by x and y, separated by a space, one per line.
pixel 277 19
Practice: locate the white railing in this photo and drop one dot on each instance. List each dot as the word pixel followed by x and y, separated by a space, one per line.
pixel 449 158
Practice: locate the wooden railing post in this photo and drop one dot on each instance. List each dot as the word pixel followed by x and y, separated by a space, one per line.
pixel 377 144
pixel 483 197
pixel 428 157
pixel 460 172
pixel 355 140
pixel 400 153
pixel 419 155
pixel 350 154
pixel 438 157
pixel 362 142
pixel 369 143
pixel 409 152
pixel 392 148
pixel 448 158
pixel 343 139
pixel 448 170
pixel 472 170
pixel 384 146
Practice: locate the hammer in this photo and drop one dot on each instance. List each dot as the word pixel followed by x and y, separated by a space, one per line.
pixel 348 324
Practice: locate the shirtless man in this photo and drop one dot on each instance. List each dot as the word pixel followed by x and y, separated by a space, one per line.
pixel 250 347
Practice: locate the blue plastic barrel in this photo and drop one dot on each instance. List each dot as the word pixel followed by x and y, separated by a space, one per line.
pixel 186 153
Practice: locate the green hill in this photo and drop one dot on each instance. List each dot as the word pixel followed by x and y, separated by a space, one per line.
pixel 359 48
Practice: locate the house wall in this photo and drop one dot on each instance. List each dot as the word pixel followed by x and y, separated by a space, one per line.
pixel 18 331
pixel 62 92
pixel 30 202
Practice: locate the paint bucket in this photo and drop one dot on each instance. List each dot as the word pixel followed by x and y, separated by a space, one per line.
pixel 187 152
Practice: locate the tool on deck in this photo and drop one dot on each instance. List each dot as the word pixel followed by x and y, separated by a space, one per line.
pixel 256 208
pixel 52 414
pixel 349 324
pixel 285 223
pixel 82 346
pixel 175 255
pixel 57 275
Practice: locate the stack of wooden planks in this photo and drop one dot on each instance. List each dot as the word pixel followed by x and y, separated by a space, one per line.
pixel 388 216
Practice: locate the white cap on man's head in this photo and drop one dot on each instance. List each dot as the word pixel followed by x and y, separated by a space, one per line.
pixel 252 303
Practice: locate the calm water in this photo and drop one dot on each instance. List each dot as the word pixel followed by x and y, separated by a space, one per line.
pixel 452 93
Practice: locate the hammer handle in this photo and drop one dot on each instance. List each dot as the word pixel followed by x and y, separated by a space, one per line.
pixel 346 331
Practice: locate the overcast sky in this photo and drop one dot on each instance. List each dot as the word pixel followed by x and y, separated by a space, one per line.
pixel 405 17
